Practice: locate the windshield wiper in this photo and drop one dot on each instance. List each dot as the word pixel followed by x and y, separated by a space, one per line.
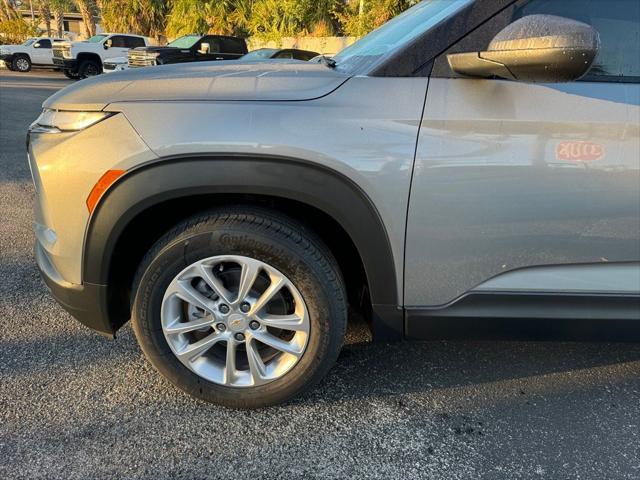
pixel 328 61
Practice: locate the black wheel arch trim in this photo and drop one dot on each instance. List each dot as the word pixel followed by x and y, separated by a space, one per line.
pixel 170 178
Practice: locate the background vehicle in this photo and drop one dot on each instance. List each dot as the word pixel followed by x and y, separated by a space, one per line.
pixel 116 64
pixel 190 48
pixel 270 53
pixel 469 162
pixel 34 52
pixel 85 59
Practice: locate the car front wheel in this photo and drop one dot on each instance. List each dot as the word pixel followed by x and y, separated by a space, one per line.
pixel 240 308
pixel 21 63
pixel 89 68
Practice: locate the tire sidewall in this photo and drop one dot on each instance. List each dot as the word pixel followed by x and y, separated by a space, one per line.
pixel 84 66
pixel 288 257
pixel 17 59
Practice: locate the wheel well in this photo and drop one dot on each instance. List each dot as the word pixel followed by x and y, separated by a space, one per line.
pixel 146 228
pixel 89 56
pixel 22 54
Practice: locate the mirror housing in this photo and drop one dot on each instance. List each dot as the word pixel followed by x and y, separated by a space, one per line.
pixel 36 45
pixel 205 48
pixel 107 44
pixel 536 48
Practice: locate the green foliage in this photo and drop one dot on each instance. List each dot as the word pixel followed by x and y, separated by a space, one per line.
pixel 16 31
pixel 225 17
pixel 274 19
pixel 144 17
pixel 265 19
pixel 359 17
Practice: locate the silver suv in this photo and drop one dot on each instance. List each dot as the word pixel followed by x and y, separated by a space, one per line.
pixel 469 162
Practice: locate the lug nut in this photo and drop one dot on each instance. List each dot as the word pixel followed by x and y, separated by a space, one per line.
pixel 245 307
pixel 239 336
pixel 223 308
pixel 221 326
pixel 254 324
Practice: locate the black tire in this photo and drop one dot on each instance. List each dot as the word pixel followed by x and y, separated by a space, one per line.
pixel 89 68
pixel 270 238
pixel 70 75
pixel 21 63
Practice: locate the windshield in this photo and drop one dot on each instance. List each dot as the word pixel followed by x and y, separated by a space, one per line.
pixel 396 33
pixel 28 42
pixel 187 41
pixel 260 54
pixel 96 38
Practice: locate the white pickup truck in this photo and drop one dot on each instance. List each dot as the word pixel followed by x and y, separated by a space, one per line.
pixel 85 59
pixel 34 52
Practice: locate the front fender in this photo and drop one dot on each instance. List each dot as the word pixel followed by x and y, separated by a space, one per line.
pixel 172 178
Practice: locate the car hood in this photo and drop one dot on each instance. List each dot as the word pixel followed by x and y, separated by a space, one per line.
pixel 204 81
pixel 9 48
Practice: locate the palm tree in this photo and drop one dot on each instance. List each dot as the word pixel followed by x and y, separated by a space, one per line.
pixel 57 9
pixel 88 10
pixel 45 14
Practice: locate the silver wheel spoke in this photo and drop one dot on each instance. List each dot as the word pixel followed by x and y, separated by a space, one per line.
pixel 186 292
pixel 276 284
pixel 284 322
pixel 250 270
pixel 214 283
pixel 230 364
pixel 195 350
pixel 184 327
pixel 256 365
pixel 228 323
pixel 278 343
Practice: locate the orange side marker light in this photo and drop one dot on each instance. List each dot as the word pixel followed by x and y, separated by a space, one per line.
pixel 101 186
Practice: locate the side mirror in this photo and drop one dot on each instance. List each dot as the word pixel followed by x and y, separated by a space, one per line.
pixel 205 48
pixel 536 48
pixel 36 45
pixel 107 44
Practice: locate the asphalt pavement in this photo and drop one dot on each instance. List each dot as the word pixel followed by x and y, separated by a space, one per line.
pixel 74 405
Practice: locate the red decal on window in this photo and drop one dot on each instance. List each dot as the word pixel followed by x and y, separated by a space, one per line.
pixel 579 151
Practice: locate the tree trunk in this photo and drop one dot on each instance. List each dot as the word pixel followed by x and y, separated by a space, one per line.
pixel 45 15
pixel 58 19
pixel 8 10
pixel 87 10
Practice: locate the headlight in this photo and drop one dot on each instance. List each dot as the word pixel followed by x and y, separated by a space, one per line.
pixel 66 53
pixel 57 121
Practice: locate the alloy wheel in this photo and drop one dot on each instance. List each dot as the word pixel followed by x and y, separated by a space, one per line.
pixel 235 321
pixel 22 64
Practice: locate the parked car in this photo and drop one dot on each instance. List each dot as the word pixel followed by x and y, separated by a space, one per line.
pixel 85 59
pixel 190 48
pixel 116 64
pixel 34 52
pixel 279 53
pixel 468 162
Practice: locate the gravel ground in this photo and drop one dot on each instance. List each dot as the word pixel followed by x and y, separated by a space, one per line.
pixel 75 405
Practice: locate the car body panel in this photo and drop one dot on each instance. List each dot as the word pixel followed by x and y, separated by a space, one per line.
pixel 510 175
pixel 301 131
pixel 61 213
pixel 221 81
pixel 40 57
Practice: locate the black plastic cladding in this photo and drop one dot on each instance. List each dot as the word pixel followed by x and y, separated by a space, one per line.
pixel 174 178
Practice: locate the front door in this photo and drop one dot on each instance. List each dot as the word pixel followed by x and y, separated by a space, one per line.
pixel 511 175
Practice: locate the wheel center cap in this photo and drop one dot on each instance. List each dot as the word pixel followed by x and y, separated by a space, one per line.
pixel 237 322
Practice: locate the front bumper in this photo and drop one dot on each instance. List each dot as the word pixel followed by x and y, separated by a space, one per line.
pixel 87 303
pixel 66 63
pixel 7 58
